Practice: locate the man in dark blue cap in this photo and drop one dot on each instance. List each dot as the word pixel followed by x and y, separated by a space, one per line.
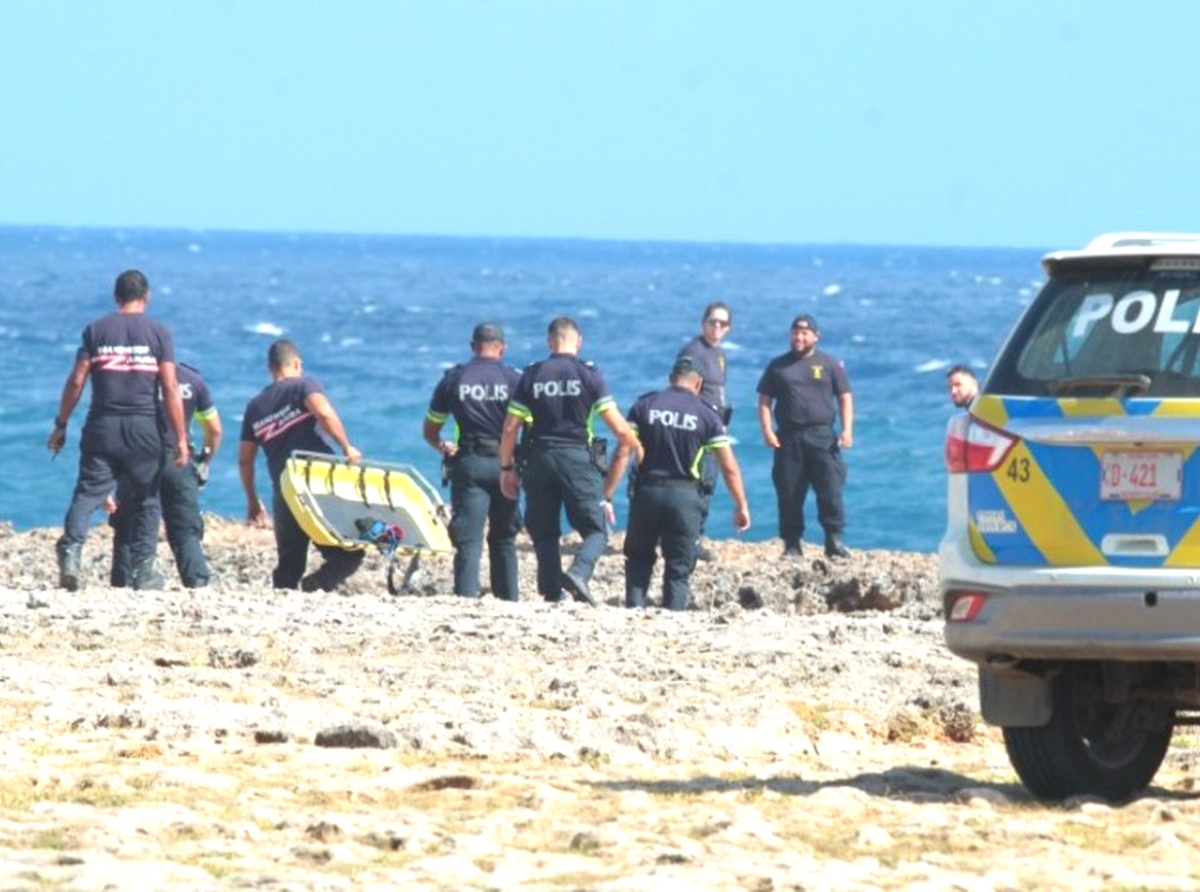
pixel 806 388
pixel 476 394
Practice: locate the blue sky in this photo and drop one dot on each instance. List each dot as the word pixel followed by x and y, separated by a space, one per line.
pixel 1025 124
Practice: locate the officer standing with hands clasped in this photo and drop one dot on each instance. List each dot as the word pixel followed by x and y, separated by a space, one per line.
pixel 128 357
pixel 559 398
pixel 476 394
pixel 807 387
pixel 678 429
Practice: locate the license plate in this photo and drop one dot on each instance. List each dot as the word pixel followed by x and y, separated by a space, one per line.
pixel 1129 476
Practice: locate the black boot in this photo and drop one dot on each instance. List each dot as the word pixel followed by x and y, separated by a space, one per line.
pixel 69 554
pixel 146 576
pixel 834 547
pixel 792 549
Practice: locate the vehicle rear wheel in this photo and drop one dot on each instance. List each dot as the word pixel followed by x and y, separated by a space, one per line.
pixel 1090 746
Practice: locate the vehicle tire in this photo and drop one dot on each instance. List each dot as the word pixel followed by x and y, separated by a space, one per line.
pixel 1088 746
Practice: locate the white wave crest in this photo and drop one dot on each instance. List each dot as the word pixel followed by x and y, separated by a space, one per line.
pixel 264 328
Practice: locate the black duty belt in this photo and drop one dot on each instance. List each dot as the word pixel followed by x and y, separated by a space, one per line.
pixel 800 428
pixel 558 444
pixel 479 446
pixel 668 481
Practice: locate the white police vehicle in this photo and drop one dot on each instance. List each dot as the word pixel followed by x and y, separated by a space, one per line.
pixel 1070 567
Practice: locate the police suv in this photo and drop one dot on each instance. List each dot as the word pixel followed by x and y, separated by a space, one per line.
pixel 1070 567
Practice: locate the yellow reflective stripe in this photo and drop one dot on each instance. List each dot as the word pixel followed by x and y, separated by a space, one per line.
pixel 207 415
pixel 1182 408
pixel 1045 517
pixel 990 409
pixel 1186 552
pixel 436 417
pixel 1090 407
pixel 981 549
pixel 519 411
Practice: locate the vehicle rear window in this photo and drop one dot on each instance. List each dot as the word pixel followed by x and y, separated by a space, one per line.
pixel 1126 330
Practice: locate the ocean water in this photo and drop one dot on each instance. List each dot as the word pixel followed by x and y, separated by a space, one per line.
pixel 378 319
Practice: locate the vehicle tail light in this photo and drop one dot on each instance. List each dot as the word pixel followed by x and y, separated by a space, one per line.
pixel 972 445
pixel 966 606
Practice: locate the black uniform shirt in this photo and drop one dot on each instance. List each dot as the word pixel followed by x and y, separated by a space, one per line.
pixel 279 421
pixel 124 350
pixel 804 389
pixel 561 397
pixel 710 362
pixel 476 393
pixel 676 427
pixel 197 401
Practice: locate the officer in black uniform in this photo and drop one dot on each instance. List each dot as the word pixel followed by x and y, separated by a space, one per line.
pixel 476 394
pixel 705 350
pixel 678 428
pixel 807 388
pixel 560 398
pixel 128 357
pixel 178 491
pixel 293 413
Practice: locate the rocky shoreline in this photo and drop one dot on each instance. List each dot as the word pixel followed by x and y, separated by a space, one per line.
pixel 802 728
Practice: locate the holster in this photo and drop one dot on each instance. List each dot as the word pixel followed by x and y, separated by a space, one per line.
pixel 521 454
pixel 598 450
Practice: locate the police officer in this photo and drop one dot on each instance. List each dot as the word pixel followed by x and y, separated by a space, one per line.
pixel 128 357
pixel 678 428
pixel 476 393
pixel 178 492
pixel 559 398
pixel 807 388
pixel 293 413
pixel 705 350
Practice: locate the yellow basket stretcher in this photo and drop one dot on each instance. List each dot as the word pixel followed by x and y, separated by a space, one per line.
pixel 370 504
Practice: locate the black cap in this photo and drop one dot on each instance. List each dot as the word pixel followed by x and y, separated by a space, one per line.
pixel 487 331
pixel 685 365
pixel 806 320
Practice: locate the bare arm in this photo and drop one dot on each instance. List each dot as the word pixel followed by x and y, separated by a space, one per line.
pixel 256 514
pixel 173 405
pixel 71 392
pixel 847 403
pixel 323 410
pixel 616 471
pixel 623 432
pixel 432 434
pixel 733 481
pixel 510 483
pixel 764 421
pixel 213 434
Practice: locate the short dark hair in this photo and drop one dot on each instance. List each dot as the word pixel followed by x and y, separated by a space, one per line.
pixel 717 305
pixel 281 353
pixel 487 332
pixel 561 326
pixel 959 370
pixel 131 285
pixel 685 367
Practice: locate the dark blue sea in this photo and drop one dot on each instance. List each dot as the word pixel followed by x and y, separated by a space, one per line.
pixel 378 319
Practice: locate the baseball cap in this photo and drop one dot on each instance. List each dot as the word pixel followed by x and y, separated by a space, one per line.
pixel 487 331
pixel 685 365
pixel 806 320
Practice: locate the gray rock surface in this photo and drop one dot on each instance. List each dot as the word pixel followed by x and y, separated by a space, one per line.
pixel 802 728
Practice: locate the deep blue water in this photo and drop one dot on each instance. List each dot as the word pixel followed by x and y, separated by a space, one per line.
pixel 378 318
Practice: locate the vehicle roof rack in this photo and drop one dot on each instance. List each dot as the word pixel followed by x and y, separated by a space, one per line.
pixel 1129 244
